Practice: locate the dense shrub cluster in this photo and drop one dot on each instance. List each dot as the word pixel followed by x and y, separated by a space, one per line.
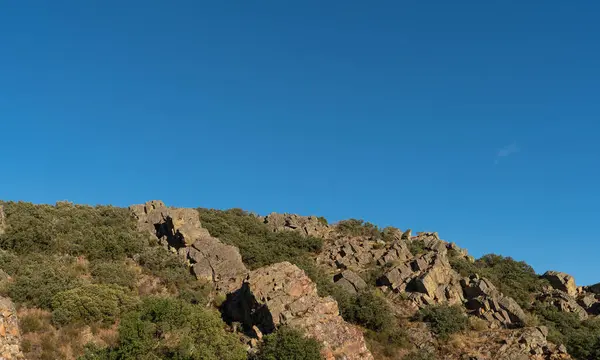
pixel 258 245
pixel 101 232
pixel 288 344
pixel 444 320
pixel 167 328
pixel 114 272
pixel 91 303
pixel 355 227
pixel 513 278
pixel 582 338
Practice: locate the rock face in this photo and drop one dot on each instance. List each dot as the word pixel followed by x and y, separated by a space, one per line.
pixel 561 281
pixel 564 302
pixel 10 336
pixel 350 281
pixel 2 220
pixel 530 343
pixel 306 225
pixel 282 294
pixel 485 301
pixel 181 231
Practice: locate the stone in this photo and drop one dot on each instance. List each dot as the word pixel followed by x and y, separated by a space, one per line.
pixel 561 281
pixel 594 289
pixel 305 225
pixel 480 291
pixel 10 334
pixel 563 302
pixel 282 294
pixel 181 231
pixel 350 281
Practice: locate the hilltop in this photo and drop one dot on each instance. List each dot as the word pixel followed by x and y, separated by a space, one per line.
pixel 156 282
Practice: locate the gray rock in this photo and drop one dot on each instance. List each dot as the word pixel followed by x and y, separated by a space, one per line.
pixel 561 281
pixel 350 281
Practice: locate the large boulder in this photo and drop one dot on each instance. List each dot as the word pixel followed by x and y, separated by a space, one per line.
pixel 561 281
pixel 10 335
pixel 350 281
pixel 485 301
pixel 181 230
pixel 306 225
pixel 563 302
pixel 282 294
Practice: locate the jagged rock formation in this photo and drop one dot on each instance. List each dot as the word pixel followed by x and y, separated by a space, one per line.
pixel 306 225
pixel 282 294
pixel 181 230
pixel 10 335
pixel 561 281
pixel 564 302
pixel 485 301
pixel 350 281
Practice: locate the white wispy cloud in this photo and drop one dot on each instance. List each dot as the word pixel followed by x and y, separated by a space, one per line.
pixel 507 151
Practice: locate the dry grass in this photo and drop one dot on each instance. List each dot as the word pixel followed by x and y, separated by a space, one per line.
pixel 42 341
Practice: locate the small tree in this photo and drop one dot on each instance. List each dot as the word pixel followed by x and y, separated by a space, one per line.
pixel 288 344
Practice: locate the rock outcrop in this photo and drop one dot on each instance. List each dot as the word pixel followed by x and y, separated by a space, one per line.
pixel 306 225
pixel 563 302
pixel 485 301
pixel 530 343
pixel 10 335
pixel 561 281
pixel 350 281
pixel 181 231
pixel 282 294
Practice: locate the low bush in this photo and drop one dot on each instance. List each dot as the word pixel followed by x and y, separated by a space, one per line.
pixel 355 227
pixel 288 344
pixel 443 320
pixel 101 232
pixel 167 328
pixel 39 278
pixel 91 303
pixel 114 272
pixel 258 245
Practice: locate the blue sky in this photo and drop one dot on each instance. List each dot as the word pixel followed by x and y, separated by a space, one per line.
pixel 476 119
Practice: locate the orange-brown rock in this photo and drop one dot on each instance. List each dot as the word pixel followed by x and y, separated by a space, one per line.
pixel 282 294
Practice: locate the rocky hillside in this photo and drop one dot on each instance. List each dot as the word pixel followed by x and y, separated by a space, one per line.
pixel 155 282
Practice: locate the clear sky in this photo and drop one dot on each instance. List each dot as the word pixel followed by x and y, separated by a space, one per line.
pixel 476 119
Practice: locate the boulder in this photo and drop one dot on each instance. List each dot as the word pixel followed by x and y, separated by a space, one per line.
pixel 563 302
pixel 350 281
pixel 485 301
pixel 10 335
pixel 282 294
pixel 181 230
pixel 214 261
pixel 561 281
pixel 306 225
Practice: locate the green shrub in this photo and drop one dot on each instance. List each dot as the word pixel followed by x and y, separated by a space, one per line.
pixel 444 320
pixel 114 272
pixel 258 245
pixel 101 232
pixel 367 309
pixel 90 303
pixel 39 278
pixel 355 227
pixel 167 328
pixel 513 278
pixel 174 274
pixel 322 220
pixel 416 247
pixel 288 344
pixel 582 338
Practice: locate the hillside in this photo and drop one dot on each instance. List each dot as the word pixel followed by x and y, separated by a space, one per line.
pixel 154 282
